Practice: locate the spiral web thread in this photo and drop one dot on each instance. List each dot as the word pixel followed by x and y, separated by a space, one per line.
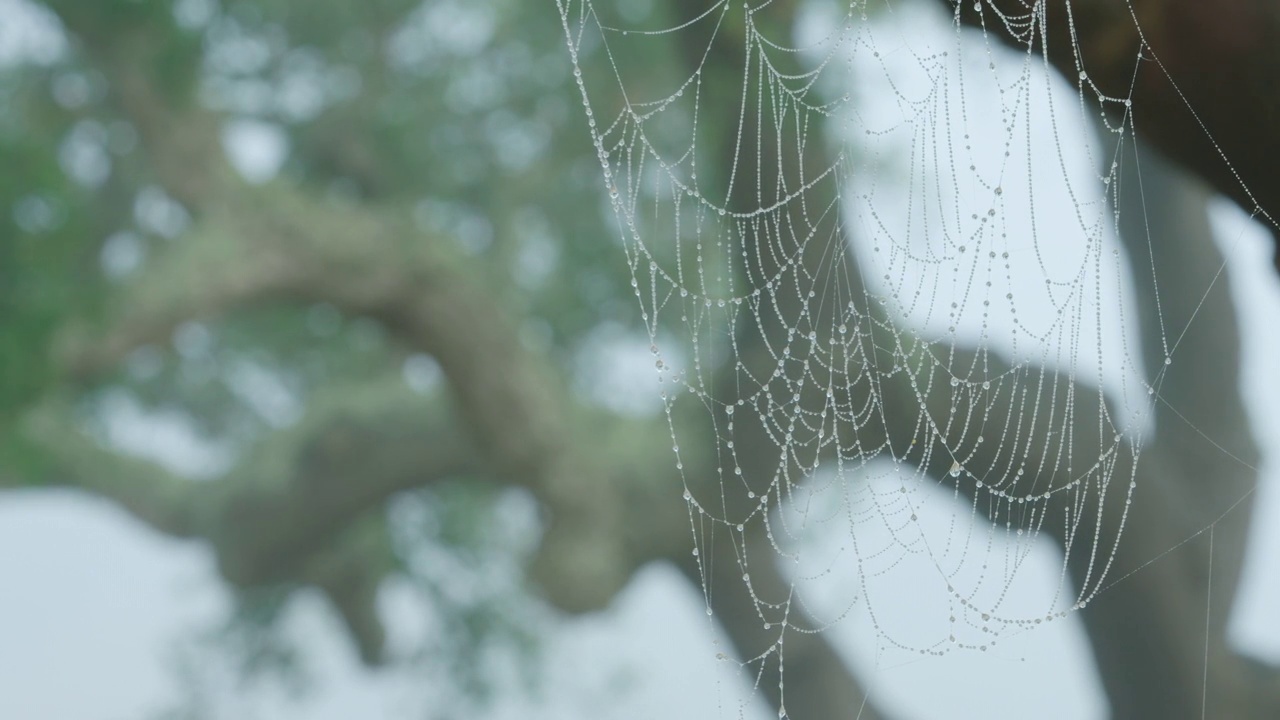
pixel 908 325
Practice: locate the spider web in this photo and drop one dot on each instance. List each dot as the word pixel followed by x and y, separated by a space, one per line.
pixel 879 273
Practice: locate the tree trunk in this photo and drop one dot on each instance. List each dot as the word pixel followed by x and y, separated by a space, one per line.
pixel 1166 615
pixel 1203 77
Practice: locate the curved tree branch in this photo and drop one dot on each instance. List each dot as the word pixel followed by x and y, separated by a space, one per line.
pixel 516 411
pixel 367 263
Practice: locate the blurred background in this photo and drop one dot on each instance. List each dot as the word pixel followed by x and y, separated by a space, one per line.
pixel 324 394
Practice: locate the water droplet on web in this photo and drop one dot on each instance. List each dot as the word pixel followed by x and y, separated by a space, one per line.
pixel 955 469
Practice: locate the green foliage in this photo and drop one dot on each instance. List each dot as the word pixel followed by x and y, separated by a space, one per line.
pixel 47 259
pixel 460 543
pixel 461 111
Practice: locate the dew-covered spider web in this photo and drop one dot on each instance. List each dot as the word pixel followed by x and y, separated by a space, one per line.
pixel 875 253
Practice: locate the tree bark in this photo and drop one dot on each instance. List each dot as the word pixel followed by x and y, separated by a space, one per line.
pixel 1158 630
pixel 1203 77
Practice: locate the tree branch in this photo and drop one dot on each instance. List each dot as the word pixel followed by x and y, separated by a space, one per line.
pixel 1196 476
pixel 1201 76
pixel 156 497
